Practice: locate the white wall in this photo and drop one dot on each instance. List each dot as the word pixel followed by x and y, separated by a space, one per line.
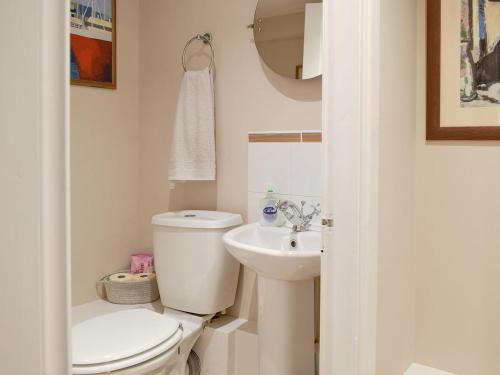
pixel 438 302
pixel 438 253
pixel 457 245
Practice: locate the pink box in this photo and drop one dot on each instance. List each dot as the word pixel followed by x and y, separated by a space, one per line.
pixel 142 263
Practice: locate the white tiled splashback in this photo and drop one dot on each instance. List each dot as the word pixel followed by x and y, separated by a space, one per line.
pixel 254 214
pixel 292 169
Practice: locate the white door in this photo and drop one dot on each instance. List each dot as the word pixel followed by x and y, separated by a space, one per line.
pixel 350 122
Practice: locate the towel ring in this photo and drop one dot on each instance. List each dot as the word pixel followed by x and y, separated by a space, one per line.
pixel 206 39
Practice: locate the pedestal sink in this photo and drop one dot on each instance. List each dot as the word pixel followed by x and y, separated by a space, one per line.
pixel 286 264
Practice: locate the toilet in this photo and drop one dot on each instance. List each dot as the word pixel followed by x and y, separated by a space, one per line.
pixel 197 279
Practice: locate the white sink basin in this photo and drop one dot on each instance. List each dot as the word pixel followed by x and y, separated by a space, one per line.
pixel 276 253
pixel 286 265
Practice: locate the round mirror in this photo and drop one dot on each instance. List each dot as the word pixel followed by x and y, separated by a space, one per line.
pixel 288 35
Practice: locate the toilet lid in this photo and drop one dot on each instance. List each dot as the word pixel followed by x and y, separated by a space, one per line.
pixel 120 335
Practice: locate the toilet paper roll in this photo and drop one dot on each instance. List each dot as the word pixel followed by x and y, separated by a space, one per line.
pixel 122 277
pixel 144 276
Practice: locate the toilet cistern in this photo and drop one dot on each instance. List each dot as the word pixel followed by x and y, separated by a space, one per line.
pixel 295 214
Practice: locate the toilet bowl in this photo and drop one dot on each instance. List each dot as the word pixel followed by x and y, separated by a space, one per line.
pixel 197 278
pixel 135 341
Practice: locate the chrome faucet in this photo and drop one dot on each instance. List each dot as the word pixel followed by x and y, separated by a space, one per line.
pixel 295 214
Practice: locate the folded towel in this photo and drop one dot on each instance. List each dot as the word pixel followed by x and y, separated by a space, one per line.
pixel 192 156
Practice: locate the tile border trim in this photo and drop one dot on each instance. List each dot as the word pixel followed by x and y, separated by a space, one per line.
pixel 312 137
pixel 292 137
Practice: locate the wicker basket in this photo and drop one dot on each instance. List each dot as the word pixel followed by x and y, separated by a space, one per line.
pixel 131 292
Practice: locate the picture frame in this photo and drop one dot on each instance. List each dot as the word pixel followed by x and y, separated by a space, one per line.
pixel 93 43
pixel 298 71
pixel 438 127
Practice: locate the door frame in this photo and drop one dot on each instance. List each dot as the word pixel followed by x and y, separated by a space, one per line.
pixel 350 128
pixel 55 188
pixel 350 154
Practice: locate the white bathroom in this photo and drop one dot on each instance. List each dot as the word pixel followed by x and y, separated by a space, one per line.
pixel 187 141
pixel 250 187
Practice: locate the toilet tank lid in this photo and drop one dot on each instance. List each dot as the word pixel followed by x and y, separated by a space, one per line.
pixel 198 219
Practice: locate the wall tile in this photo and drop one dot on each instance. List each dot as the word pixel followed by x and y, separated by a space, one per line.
pixel 306 169
pixel 269 165
pixel 293 169
pixel 254 213
pixel 254 206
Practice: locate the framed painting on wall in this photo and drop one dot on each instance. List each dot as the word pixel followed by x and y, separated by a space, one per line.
pixel 463 69
pixel 93 43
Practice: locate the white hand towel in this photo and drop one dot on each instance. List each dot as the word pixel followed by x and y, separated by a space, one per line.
pixel 192 156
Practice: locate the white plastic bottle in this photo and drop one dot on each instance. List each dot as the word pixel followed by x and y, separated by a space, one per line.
pixel 271 216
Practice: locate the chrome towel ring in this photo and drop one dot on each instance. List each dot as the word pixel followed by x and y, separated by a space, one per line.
pixel 206 39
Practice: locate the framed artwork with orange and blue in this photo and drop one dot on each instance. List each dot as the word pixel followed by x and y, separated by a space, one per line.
pixel 93 43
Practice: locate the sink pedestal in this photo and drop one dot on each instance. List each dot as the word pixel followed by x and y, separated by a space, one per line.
pixel 287 264
pixel 286 327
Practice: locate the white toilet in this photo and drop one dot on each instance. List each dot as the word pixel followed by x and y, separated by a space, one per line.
pixel 197 278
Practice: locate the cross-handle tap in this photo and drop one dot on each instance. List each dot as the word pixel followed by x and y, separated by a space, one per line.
pixel 295 214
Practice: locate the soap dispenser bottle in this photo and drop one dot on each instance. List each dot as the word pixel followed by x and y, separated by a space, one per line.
pixel 271 216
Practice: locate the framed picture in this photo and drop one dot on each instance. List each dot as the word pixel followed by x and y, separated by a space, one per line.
pixel 463 69
pixel 93 43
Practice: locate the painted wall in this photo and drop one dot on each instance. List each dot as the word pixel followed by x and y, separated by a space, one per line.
pixel 105 166
pixel 249 97
pixel 396 278
pixel 20 188
pixel 458 244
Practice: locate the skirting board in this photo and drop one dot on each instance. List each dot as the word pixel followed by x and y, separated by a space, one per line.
pixel 416 369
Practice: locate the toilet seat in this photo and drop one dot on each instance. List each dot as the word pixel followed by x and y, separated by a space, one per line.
pixel 122 339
